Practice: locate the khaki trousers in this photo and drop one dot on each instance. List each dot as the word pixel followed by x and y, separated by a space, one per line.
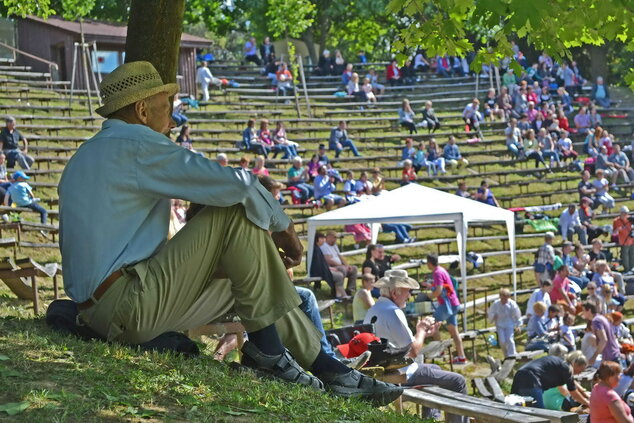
pixel 174 290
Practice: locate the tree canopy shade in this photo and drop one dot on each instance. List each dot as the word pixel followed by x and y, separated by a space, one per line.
pixel 555 26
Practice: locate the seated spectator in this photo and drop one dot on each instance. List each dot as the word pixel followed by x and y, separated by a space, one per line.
pixel 339 140
pixel 313 166
pixel 595 117
pixel 621 164
pixel 363 185
pixel 362 57
pixel 451 154
pixel 603 276
pixel 355 90
pixel 591 143
pixel 435 158
pixel 507 318
pixel 430 121
pixel 608 346
pixel 545 261
pixel 585 215
pixel 267 51
pixel 471 115
pixel 622 333
pixel 536 327
pixel 443 66
pixel 408 151
pixel 265 138
pixel 5 183
pixel 421 64
pixel 184 139
pixel 601 186
pixel 178 114
pixel 251 142
pixel 596 254
pixel 284 80
pixel 363 299
pixel 462 190
pixel 391 324
pixel 376 262
pixel 325 65
pixel 541 294
pixel 575 274
pixel 566 100
pixel 505 103
pixel 492 110
pixel 339 63
pixel 565 147
pixel 298 178
pixel 250 52
pixel 545 97
pixel 562 121
pixel 401 232
pixel 607 141
pixel 566 334
pixel 622 229
pixel 406 116
pixel 408 73
pixel 338 265
pixel 350 188
pixel 561 289
pixel 374 80
pixel 485 195
pixel 258 168
pixel 11 138
pixel 377 181
pixel 532 113
pixel 21 194
pixel 319 267
pixel 222 159
pixel 270 71
pixel 542 374
pixel 532 149
pixel 369 91
pixel 244 163
pixel 514 139
pixel 548 147
pixel 393 74
pixel 361 233
pixel 509 80
pixel 346 76
pixel 582 121
pixel 324 187
pixel 605 404
pixel 586 187
pixel 600 94
pixel 282 143
pixel 409 174
pixel 570 224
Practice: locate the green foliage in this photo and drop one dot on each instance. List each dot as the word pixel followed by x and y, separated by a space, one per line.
pixel 28 7
pixel 74 9
pixel 214 14
pixel 441 26
pixel 289 18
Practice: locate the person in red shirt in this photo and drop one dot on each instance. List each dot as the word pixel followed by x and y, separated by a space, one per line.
pixel 560 292
pixel 284 79
pixel 393 73
pixel 409 174
pixel 622 227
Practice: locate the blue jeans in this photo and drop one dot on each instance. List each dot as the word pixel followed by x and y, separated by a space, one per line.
pixel 582 281
pixel 288 150
pixel 536 393
pixel 306 190
pixel 37 208
pixel 311 309
pixel 346 143
pixel 399 230
pixel 550 154
pixel 179 118
pixel 514 150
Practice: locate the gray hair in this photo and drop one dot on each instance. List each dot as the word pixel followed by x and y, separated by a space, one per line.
pixel 221 156
pixel 386 291
pixel 558 350
pixel 576 358
pixel 9 119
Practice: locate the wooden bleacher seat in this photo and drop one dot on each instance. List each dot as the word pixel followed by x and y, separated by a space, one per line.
pixel 15 273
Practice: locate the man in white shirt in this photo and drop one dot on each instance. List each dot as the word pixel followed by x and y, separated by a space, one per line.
pixel 338 266
pixel 204 78
pixel 570 223
pixel 541 294
pixel 390 323
pixel 506 316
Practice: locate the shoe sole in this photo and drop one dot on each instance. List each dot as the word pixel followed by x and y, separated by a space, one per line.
pixel 378 399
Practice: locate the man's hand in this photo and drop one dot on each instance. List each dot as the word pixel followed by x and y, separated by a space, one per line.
pixel 395 257
pixel 289 243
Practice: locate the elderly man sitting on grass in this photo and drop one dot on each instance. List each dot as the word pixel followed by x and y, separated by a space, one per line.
pixel 131 285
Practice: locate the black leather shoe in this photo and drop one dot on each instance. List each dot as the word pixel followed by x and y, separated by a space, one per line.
pixel 281 366
pixel 356 384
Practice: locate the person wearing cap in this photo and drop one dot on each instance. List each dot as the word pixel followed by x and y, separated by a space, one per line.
pixel 448 304
pixel 21 193
pixel 622 227
pixel 545 258
pixel 390 323
pixel 11 138
pixel 321 155
pixel 570 224
pixel 132 285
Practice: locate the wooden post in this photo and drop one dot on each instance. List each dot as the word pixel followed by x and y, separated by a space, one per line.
pixel 36 299
pixel 300 60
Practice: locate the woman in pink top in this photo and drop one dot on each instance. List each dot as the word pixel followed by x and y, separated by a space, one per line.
pixel 605 404
pixel 259 168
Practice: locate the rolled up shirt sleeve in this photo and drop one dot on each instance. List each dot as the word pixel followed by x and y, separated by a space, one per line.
pixel 166 170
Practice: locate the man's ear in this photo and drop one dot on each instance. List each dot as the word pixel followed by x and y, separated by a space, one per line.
pixel 141 110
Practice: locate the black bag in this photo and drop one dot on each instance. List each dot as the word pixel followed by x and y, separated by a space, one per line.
pixel 62 316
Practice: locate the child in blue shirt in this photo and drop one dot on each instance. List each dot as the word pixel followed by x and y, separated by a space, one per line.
pixel 21 193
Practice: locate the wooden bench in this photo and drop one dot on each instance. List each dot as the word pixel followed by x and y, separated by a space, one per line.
pixel 16 273
pixel 482 409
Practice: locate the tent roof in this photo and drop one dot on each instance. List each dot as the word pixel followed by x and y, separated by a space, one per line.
pixel 413 203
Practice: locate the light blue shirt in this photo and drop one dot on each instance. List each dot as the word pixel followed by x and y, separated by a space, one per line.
pixel 114 200
pixel 323 186
pixel 20 193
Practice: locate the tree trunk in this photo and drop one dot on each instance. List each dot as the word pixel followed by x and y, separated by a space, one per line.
pixel 309 38
pixel 598 62
pixel 154 34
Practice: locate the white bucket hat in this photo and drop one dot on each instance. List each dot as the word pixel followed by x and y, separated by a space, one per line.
pixel 396 279
pixel 130 83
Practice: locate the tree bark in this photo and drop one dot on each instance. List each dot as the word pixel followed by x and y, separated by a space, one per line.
pixel 598 62
pixel 309 38
pixel 154 34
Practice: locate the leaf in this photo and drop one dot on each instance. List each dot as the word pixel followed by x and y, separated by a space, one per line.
pixel 3 357
pixel 4 372
pixel 13 408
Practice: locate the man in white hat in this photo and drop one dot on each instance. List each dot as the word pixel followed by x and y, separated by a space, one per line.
pixel 132 285
pixel 390 323
pixel 622 227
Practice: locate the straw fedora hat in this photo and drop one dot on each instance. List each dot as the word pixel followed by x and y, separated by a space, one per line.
pixel 130 83
pixel 396 279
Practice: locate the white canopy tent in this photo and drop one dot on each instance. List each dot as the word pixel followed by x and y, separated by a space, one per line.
pixel 415 203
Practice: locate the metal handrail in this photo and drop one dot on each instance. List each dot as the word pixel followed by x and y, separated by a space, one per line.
pixel 50 64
